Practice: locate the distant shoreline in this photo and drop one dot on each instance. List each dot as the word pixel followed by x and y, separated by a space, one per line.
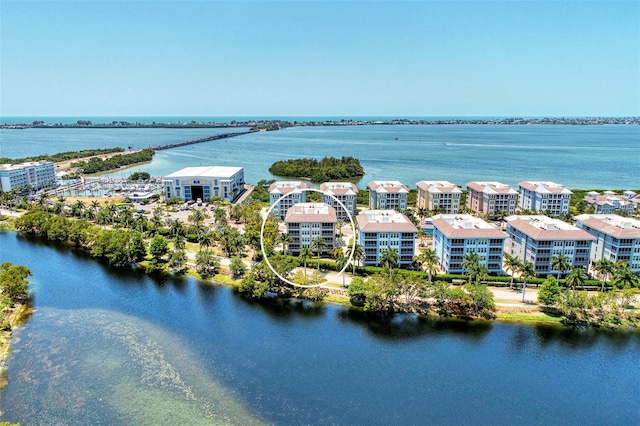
pixel 276 124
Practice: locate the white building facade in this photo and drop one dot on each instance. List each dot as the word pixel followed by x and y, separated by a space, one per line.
pixel 204 182
pixel 609 202
pixel 455 235
pixel 294 195
pixel 438 195
pixel 617 238
pixel 35 175
pixel 491 198
pixel 387 195
pixel 544 196
pixel 308 221
pixel 346 192
pixel 537 239
pixel 379 230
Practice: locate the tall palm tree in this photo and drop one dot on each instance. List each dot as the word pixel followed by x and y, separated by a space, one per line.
pixel 389 258
pixel 471 264
pixel 318 245
pixel 358 256
pixel 341 262
pixel 95 205
pixel 512 264
pixel 605 268
pixel 285 240
pixel 205 239
pixel 305 254
pixel 428 259
pixel 560 263
pixel 527 270
pixel 576 277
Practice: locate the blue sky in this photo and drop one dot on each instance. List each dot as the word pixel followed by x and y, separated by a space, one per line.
pixel 366 58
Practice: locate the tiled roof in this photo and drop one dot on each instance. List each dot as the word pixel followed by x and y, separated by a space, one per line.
pixel 286 186
pixel 544 228
pixel 310 212
pixel 438 186
pixel 492 188
pixel 465 226
pixel 610 224
pixel 384 221
pixel 545 187
pixel 339 188
pixel 388 186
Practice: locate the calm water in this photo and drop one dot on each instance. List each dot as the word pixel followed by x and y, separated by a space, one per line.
pixel 577 156
pixel 107 347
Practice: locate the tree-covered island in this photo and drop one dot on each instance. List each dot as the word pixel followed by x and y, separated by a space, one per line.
pixel 329 168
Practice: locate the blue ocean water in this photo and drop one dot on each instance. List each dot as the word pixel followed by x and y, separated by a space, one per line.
pixel 581 157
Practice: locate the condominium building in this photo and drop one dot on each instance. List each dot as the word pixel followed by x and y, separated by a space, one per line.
pixel 35 175
pixel 491 198
pixel 455 235
pixel 438 196
pixel 538 238
pixel 609 202
pixel 390 194
pixel 346 192
pixel 617 238
pixel 379 230
pixel 308 221
pixel 294 194
pixel 204 182
pixel 544 196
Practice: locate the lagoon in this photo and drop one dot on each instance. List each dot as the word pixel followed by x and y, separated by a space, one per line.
pixel 581 157
pixel 118 347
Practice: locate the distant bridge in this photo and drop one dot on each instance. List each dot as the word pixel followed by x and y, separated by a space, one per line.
pixel 194 141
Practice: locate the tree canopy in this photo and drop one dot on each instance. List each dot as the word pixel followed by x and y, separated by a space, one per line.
pixel 329 168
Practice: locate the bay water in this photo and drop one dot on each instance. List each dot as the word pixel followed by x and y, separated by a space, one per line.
pixel 110 347
pixel 581 157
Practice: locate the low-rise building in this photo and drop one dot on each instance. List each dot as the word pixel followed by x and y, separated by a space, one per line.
pixel 537 239
pixel 379 230
pixel 34 175
pixel 609 202
pixel 389 194
pixel 205 182
pixel 308 221
pixel 455 235
pixel 294 195
pixel 438 196
pixel 617 238
pixel 491 198
pixel 544 196
pixel 346 192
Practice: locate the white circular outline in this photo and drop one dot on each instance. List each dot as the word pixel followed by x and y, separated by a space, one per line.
pixel 264 221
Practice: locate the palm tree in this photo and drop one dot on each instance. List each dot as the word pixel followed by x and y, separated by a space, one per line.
pixel 318 245
pixel 422 212
pixel 576 277
pixel 95 205
pixel 389 258
pixel 527 270
pixel 428 259
pixel 624 277
pixel 341 262
pixel 205 239
pixel 605 268
pixel 560 263
pixel 471 263
pixel 77 208
pixel 285 240
pixel 305 254
pixel 358 256
pixel 512 264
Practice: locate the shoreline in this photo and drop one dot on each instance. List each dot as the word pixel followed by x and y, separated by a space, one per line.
pixel 14 317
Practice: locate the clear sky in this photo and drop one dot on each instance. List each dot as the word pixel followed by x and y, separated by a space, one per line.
pixel 366 58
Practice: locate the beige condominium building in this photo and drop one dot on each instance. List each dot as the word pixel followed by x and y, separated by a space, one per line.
pixel 346 192
pixel 544 196
pixel 308 221
pixel 387 194
pixel 438 196
pixel 383 229
pixel 491 198
pixel 295 194
pixel 537 239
